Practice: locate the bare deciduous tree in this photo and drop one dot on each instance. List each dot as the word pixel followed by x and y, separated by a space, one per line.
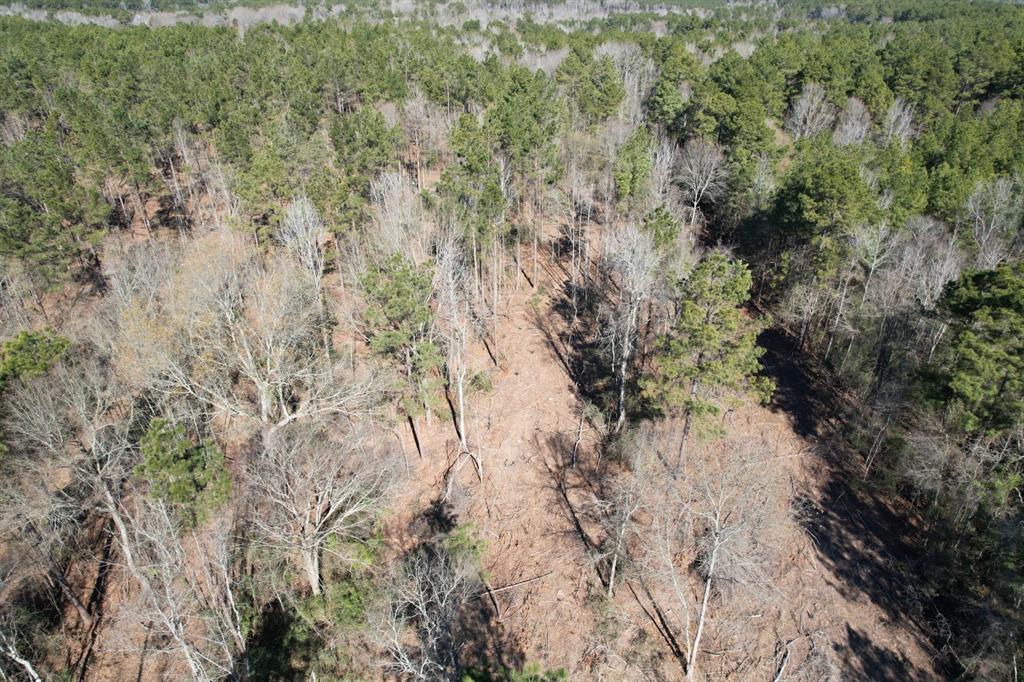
pixel 899 123
pixel 400 223
pixel 629 496
pixel 928 258
pixel 995 210
pixel 243 336
pixel 873 245
pixel 426 126
pixel 302 233
pixel 138 271
pixel 664 162
pixel 451 287
pixel 419 627
pixel 187 589
pixel 632 262
pixel 71 430
pixel 89 433
pixel 39 521
pixel 10 645
pixel 722 521
pixel 810 113
pixel 311 488
pixel 854 124
pixel 702 174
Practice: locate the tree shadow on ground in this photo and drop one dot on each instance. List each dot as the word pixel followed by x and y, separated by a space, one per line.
pixel 865 660
pixel 485 645
pixel 861 537
pixel 575 341
pixel 482 642
pixel 864 544
pixel 575 330
pixel 798 392
pixel 576 487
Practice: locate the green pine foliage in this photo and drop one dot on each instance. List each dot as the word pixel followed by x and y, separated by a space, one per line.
pixel 981 377
pixel 593 85
pixel 103 132
pixel 399 321
pixel 525 118
pixel 30 354
pixel 191 477
pixel 632 170
pixel 663 227
pixel 471 186
pixel 666 104
pixel 711 347
pixel 46 216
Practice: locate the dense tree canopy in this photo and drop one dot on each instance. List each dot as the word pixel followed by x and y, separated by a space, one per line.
pixel 250 269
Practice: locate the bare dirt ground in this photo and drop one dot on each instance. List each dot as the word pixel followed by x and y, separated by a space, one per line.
pixel 842 571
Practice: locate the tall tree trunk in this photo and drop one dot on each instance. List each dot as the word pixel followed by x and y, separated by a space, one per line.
pixel 461 397
pixel 691 663
pixel 627 352
pixel 687 425
pixel 839 315
pixel 311 564
pixel 495 268
pixel 12 653
pixel 611 575
pixel 113 508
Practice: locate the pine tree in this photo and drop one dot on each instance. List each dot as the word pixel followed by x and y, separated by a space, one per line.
pixel 633 166
pixel 662 226
pixel 594 85
pixel 981 377
pixel 190 477
pixel 400 322
pixel 712 345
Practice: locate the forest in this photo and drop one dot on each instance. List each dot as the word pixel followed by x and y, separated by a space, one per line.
pixel 514 342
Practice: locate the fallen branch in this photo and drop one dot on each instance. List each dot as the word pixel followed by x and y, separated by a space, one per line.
pixel 519 583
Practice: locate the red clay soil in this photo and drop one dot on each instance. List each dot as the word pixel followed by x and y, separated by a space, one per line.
pixel 833 589
pixel 837 577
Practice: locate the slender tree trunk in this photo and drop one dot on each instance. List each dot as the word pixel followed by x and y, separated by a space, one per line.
pixel 494 292
pixel 691 663
pixel 611 574
pixel 936 339
pixel 535 238
pixel 839 315
pixel 846 356
pixel 875 446
pixel 12 653
pixel 311 564
pixel 687 425
pixel 122 532
pixel 419 171
pixel 461 398
pixel 627 352
pixel 624 367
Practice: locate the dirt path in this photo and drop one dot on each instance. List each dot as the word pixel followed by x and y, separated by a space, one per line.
pixel 539 574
